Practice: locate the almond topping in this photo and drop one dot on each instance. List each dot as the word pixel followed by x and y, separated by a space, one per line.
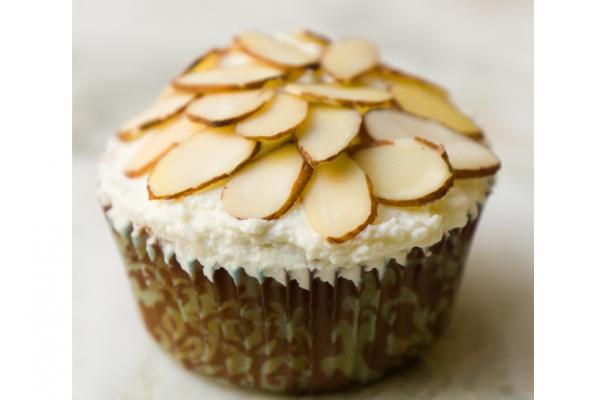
pixel 195 163
pixel 469 158
pixel 164 108
pixel 219 109
pixel 338 94
pixel 326 132
pixel 406 172
pixel 159 141
pixel 350 58
pixel 267 187
pixel 338 201
pixel 275 51
pixel 227 77
pixel 277 118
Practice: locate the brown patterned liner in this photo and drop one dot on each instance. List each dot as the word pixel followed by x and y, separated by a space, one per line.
pixel 287 339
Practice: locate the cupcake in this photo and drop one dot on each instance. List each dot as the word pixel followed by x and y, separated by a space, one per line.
pixel 293 214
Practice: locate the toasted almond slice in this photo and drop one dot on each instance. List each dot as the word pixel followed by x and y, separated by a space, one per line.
pixel 277 118
pixel 208 60
pixel 423 102
pixel 235 56
pixel 468 157
pixel 273 50
pixel 219 109
pixel 163 109
pixel 308 35
pixel 338 201
pixel 267 187
pixel 326 131
pixel 384 76
pixel 471 159
pixel 227 77
pixel 160 141
pixel 350 58
pixel 338 94
pixel 406 172
pixel 199 161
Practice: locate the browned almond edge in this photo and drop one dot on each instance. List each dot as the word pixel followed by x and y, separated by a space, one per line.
pixel 127 136
pixel 352 78
pixel 148 166
pixel 365 145
pixel 277 135
pixel 300 183
pixel 315 36
pixel 384 69
pixel 430 197
pixel 268 138
pixel 364 134
pixel 477 173
pixel 219 51
pixel 440 192
pixel 313 162
pixel 152 196
pixel 273 63
pixel 212 88
pixel 476 134
pixel 313 97
pixel 223 122
pixel 367 222
pixel 461 173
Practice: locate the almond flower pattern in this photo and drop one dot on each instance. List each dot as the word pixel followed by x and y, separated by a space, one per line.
pixel 277 119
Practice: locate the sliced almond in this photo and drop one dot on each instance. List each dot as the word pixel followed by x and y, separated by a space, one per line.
pixel 208 60
pixel 308 35
pixel 227 77
pixel 235 56
pixel 468 157
pixel 326 131
pixel 272 50
pixel 350 58
pixel 338 94
pixel 159 142
pixel 199 161
pixel 267 187
pixel 406 172
pixel 219 109
pixel 338 201
pixel 471 159
pixel 423 102
pixel 277 118
pixel 384 76
pixel 164 108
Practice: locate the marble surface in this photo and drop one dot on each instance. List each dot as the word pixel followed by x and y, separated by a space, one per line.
pixel 482 50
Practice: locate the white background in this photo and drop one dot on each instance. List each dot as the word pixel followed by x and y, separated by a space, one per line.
pixel 452 42
pixel 125 52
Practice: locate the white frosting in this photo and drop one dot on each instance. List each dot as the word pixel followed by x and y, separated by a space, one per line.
pixel 196 228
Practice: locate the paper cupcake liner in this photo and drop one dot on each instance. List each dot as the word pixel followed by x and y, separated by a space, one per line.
pixel 283 338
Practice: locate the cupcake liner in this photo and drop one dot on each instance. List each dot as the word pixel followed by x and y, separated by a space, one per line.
pixel 284 338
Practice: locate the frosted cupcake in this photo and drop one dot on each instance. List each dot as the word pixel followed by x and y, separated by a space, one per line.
pixel 293 214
